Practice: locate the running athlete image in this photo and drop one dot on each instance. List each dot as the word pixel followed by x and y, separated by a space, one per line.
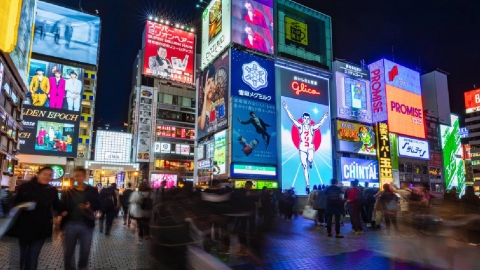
pixel 305 147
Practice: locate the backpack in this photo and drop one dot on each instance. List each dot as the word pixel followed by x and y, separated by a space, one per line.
pixel 146 203
pixel 392 205
pixel 108 201
pixel 334 197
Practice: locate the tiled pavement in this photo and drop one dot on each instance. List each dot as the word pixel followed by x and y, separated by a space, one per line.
pixel 290 245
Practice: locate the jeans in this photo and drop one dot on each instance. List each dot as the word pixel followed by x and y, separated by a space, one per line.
pixel 126 216
pixel 108 215
pixel 369 211
pixel 391 217
pixel 337 223
pixel 29 254
pixel 143 227
pixel 355 217
pixel 77 231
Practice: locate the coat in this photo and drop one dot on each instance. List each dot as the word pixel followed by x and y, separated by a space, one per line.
pixel 135 209
pixel 57 91
pixel 91 196
pixel 44 84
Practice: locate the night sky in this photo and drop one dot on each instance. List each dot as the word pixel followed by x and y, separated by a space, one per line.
pixel 425 35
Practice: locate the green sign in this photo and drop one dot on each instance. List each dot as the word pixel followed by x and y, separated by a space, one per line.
pixel 255 170
pixel 452 155
pixel 394 151
pixel 257 184
pixel 58 171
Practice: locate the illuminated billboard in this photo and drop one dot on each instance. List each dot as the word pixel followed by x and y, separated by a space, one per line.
pixel 452 155
pixel 306 141
pixel 113 146
pixel 356 138
pixel 384 152
pixel 413 148
pixel 144 134
pixel 213 97
pixel 66 33
pixel 405 112
pixel 216 26
pixel 365 170
pixel 220 151
pixel 49 132
pixel 175 132
pixel 170 180
pixel 378 91
pixel 169 53
pixel 252 24
pixel 402 77
pixel 352 98
pixel 472 101
pixel 11 13
pixel 54 86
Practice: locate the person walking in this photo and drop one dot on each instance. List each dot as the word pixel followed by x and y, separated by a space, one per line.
pixel 108 200
pixel 312 198
pixel 471 206
pixel 33 227
pixel 334 207
pixel 289 204
pixel 126 203
pixel 391 206
pixel 78 207
pixel 369 195
pixel 245 202
pixel 141 206
pixel 356 202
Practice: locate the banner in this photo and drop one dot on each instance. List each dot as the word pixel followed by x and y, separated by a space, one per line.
pixel 364 170
pixel 145 134
pixel 413 148
pixel 220 151
pixel 356 138
pixel 452 156
pixel 216 26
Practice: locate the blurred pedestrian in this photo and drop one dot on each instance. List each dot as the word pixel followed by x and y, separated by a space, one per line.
pixel 369 194
pixel 266 201
pixel 245 201
pixel 356 202
pixel 334 207
pixel 78 207
pixel 141 206
pixel 108 200
pixel 125 204
pixel 119 202
pixel 312 198
pixel 391 206
pixel 289 205
pixel 471 206
pixel 33 227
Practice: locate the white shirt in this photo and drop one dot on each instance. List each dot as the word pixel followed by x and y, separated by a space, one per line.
pixel 73 86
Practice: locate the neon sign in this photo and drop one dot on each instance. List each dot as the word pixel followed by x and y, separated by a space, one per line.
pixel 303 88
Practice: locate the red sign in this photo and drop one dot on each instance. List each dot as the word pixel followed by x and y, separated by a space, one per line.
pixel 174 164
pixel 472 101
pixel 175 132
pixel 435 160
pixel 300 87
pixel 169 53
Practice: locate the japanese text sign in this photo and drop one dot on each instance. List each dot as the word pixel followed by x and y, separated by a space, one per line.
pixel 383 150
pixel 413 148
pixel 302 86
pixel 472 101
pixel 356 138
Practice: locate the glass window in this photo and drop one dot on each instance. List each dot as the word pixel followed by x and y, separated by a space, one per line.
pixel 175 100
pixel 160 97
pixel 186 102
pixel 193 103
pixel 167 99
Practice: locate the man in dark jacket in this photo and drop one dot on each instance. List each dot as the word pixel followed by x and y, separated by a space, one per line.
pixel 125 203
pixel 334 207
pixel 260 127
pixel 108 199
pixel 78 206
pixel 245 201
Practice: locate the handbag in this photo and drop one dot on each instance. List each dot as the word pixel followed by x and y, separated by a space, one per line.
pixel 309 213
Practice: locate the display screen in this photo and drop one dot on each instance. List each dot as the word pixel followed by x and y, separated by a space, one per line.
pixel 252 77
pixel 413 148
pixel 113 146
pixel 405 112
pixel 364 170
pixel 356 138
pixel 175 132
pixel 213 97
pixel 472 101
pixel 157 178
pixel 220 151
pixel 256 184
pixel 402 77
pixel 216 34
pixel 252 24
pixel 353 98
pixel 144 112
pixel 54 86
pixel 259 171
pixel 174 164
pixel 169 53
pixel 452 155
pixel 65 33
pixel 254 132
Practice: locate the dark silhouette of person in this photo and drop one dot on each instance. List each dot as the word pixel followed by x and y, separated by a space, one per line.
pixel 260 127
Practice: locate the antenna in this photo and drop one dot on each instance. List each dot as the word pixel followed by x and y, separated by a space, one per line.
pixel 80 5
pixel 362 63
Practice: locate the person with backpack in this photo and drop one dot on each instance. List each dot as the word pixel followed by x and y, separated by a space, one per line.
pixel 126 203
pixel 334 207
pixel 356 202
pixel 369 194
pixel 312 199
pixel 391 206
pixel 108 200
pixel 141 206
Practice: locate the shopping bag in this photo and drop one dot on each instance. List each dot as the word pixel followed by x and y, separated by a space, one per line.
pixel 309 213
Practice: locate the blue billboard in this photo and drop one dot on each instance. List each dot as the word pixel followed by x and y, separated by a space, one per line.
pixel 365 170
pixel 254 132
pixel 252 77
pixel 402 77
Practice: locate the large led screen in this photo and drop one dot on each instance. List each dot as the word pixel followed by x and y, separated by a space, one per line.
pixel 300 85
pixel 472 101
pixel 113 146
pixel 252 77
pixel 402 77
pixel 157 179
pixel 452 155
pixel 54 86
pixel 49 132
pixel 252 24
pixel 216 34
pixel 405 112
pixel 365 170
pixel 65 33
pixel 213 97
pixel 169 53
pixel 254 132
pixel 356 138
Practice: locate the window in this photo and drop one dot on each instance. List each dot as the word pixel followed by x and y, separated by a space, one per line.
pixel 167 99
pixel 86 110
pixel 186 102
pixel 193 103
pixel 160 97
pixel 175 100
pixel 175 116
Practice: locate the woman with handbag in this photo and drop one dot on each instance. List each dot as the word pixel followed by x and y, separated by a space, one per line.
pixel 33 227
pixel 141 206
pixel 391 206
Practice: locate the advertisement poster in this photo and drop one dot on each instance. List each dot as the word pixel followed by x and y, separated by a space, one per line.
pixel 356 138
pixel 49 132
pixel 54 86
pixel 252 24
pixel 452 156
pixel 111 146
pixel 157 178
pixel 378 91
pixel 252 77
pixel 296 31
pixel 145 134
pixel 253 128
pixel 413 148
pixel 472 101
pixel 220 151
pixel 302 86
pixel 384 151
pixel 402 77
pixel 405 112
pixel 66 33
pixel 213 97
pixel 21 53
pixel 353 98
pixel 216 35
pixel 364 170
pixel 169 53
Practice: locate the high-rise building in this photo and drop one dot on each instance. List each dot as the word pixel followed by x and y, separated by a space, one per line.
pixel 472 123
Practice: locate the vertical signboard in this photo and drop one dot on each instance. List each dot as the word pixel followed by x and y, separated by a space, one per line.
pixel 144 132
pixel 378 91
pixel 216 26
pixel 220 151
pixel 472 101
pixel 452 155
pixel 306 144
pixel 383 150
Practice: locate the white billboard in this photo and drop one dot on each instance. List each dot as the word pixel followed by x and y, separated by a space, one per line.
pixel 113 146
pixel 413 148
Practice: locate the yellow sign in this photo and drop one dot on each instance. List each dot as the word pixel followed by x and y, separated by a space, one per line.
pixel 383 152
pixel 296 31
pixel 9 21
